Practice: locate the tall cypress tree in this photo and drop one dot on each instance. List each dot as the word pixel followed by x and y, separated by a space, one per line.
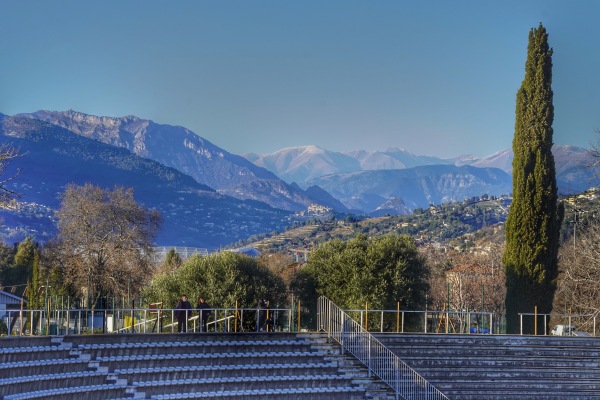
pixel 533 223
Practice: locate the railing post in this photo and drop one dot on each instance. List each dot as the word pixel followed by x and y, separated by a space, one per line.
pixel 329 320
pixel 397 318
pixel 402 321
pixel 545 324
pixel 521 319
pixel 447 316
pixel 172 321
pixel 397 377
pixel 370 367
pixel 299 316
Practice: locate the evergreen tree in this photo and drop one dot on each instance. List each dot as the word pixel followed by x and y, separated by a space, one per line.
pixel 34 301
pixel 172 261
pixel 222 279
pixel 379 271
pixel 34 297
pixel 533 223
pixel 25 256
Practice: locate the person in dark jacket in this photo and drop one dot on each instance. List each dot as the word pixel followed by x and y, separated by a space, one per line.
pixel 203 309
pixel 263 314
pixel 182 313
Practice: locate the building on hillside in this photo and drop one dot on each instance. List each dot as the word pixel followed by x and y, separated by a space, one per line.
pixel 8 301
pixel 318 209
pixel 248 250
pixel 301 255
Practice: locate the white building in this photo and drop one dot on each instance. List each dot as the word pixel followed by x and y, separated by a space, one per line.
pixel 8 301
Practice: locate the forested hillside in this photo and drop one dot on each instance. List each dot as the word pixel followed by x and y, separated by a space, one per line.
pixel 459 225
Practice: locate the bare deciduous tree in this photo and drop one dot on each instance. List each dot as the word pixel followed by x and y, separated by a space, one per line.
pixel 578 290
pixel 105 241
pixel 469 282
pixel 7 154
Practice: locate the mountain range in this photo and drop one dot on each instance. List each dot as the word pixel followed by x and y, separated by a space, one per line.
pixel 210 198
pixel 367 180
pixel 182 149
pixel 193 214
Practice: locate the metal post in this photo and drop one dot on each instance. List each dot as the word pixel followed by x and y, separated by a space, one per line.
pixel 448 308
pixel 397 378
pixel 370 358
pixel 329 321
pixel 133 317
pixel 468 321
pixel 21 319
pixel 535 320
pixel 299 315
pixel 521 318
pixel 545 325
pixel 402 321
pixel 236 317
pixel 398 318
pixel 291 316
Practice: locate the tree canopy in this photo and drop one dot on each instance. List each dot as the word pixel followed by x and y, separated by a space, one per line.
pixel 222 279
pixel 534 218
pixel 379 271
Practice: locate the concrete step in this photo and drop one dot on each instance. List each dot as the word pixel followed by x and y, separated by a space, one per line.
pixel 51 381
pixel 174 387
pixel 503 367
pixel 227 371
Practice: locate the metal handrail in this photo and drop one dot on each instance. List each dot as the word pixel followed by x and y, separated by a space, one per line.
pixel 130 320
pixel 379 360
pixel 465 318
pixel 566 317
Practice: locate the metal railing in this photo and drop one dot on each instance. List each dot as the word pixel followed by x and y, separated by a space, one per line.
pixel 428 321
pixel 379 360
pixel 160 253
pixel 580 322
pixel 141 320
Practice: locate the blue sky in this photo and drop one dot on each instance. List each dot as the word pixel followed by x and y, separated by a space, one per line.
pixel 432 77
